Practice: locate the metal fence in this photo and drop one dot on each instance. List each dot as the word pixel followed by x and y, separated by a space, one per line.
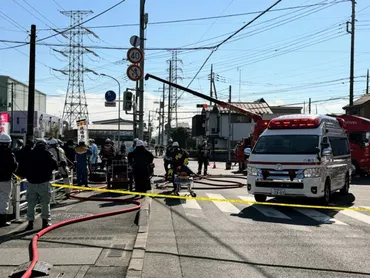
pixel 19 203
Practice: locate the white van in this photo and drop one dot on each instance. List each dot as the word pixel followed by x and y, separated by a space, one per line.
pixel 300 156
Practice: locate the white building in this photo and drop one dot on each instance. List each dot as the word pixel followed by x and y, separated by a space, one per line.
pixel 215 121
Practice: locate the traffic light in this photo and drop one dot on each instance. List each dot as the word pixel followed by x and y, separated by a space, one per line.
pixel 127 101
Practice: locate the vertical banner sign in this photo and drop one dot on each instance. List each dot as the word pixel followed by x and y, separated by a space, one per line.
pixel 4 123
pixel 82 131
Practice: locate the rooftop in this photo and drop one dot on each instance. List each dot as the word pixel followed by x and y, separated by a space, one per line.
pixel 255 107
pixel 16 81
pixel 361 101
pixel 112 121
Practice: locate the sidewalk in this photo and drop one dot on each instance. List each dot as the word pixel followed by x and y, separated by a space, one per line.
pixel 95 248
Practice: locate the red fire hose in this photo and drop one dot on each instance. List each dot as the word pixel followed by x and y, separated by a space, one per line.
pixel 35 239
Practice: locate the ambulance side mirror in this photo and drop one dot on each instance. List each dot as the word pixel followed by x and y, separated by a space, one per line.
pixel 247 151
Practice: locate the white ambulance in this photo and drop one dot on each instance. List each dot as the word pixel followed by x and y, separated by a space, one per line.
pixel 300 156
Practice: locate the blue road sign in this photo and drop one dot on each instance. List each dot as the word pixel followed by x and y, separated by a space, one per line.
pixel 110 96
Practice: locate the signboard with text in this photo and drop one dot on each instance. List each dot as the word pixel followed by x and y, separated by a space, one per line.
pixel 82 131
pixel 4 123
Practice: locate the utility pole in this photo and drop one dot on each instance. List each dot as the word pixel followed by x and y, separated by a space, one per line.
pixel 12 108
pixel 309 106
pixel 211 84
pixel 367 82
pixel 304 107
pixel 169 104
pixel 135 112
pixel 141 81
pixel 352 62
pixel 230 132
pixel 31 84
pixel 162 113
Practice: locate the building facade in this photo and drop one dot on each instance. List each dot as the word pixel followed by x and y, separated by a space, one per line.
pixel 213 123
pixel 361 107
pixel 16 92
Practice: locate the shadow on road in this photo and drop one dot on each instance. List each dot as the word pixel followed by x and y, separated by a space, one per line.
pixel 289 215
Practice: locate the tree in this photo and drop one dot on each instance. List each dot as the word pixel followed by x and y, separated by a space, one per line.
pixel 181 136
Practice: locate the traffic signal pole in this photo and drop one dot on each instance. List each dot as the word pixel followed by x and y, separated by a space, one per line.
pixel 141 81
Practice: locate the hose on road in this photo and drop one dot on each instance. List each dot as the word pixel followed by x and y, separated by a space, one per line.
pixel 73 194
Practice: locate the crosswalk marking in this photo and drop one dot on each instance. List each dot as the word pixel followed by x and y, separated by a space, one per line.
pixel 357 215
pixel 319 217
pixel 223 206
pixel 266 210
pixel 190 204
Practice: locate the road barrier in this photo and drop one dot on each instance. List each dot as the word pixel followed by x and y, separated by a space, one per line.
pixel 17 193
pixel 157 195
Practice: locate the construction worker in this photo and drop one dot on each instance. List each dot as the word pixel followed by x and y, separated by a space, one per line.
pixel 203 157
pixel 141 161
pixel 167 157
pixel 8 165
pixel 40 167
pixel 94 155
pixel 82 162
pixel 22 158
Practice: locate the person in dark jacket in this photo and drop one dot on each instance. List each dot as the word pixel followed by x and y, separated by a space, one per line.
pixel 141 161
pixel 40 166
pixel 7 166
pixel 22 157
pixel 69 150
pixel 203 157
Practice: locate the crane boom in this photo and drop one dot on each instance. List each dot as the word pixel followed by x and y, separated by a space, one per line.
pixel 223 104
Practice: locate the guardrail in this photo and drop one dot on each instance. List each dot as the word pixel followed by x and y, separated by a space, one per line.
pixel 17 194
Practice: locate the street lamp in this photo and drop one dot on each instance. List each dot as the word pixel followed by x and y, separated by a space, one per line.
pixel 119 107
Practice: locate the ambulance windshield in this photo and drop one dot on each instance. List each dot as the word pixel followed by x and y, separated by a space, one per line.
pixel 287 144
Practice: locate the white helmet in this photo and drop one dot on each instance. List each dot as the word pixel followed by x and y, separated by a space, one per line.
pixel 175 144
pixel 5 138
pixel 53 142
pixel 139 143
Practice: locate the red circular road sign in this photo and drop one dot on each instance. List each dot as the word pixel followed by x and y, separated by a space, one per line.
pixel 135 55
pixel 134 72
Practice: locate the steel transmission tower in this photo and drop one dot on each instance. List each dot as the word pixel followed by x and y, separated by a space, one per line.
pixel 176 72
pixel 75 106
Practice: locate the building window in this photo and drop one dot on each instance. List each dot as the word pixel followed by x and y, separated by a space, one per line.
pixel 235 118
pixel 17 120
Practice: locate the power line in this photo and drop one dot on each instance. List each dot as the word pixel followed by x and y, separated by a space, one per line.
pixel 209 17
pixel 72 27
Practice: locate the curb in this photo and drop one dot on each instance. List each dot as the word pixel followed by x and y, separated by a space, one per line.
pixel 136 264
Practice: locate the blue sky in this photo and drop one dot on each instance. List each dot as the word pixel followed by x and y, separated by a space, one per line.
pixel 285 57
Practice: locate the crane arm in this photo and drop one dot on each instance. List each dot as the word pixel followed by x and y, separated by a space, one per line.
pixel 223 104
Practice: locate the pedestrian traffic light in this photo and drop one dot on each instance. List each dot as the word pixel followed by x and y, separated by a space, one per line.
pixel 127 101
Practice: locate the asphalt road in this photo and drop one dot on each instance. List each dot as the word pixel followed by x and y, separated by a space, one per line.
pixel 213 239
pixel 95 248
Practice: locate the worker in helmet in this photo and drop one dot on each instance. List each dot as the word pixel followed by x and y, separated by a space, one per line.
pixel 141 161
pixel 69 150
pixel 179 161
pixel 203 157
pixel 167 157
pixel 107 153
pixel 40 167
pixel 132 148
pixel 82 163
pixel 60 157
pixel 8 165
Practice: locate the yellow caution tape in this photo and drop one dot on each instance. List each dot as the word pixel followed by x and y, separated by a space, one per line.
pixel 156 195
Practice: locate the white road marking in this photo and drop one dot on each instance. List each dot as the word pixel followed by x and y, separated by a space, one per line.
pixel 223 206
pixel 190 204
pixel 356 215
pixel 268 211
pixel 319 217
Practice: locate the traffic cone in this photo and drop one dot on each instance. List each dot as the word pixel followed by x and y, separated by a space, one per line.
pixel 214 165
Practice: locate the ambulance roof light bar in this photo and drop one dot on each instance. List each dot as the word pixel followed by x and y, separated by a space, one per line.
pixel 294 122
